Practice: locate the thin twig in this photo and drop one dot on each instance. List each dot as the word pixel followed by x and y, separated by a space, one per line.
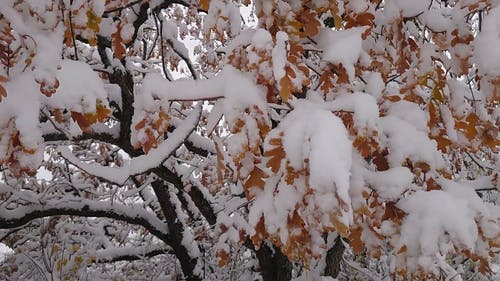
pixel 160 28
pixel 71 30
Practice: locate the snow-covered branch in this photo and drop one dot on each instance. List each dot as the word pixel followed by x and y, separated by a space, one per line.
pixel 84 208
pixel 130 254
pixel 143 163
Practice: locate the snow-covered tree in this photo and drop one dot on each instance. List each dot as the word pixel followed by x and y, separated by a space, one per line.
pixel 249 139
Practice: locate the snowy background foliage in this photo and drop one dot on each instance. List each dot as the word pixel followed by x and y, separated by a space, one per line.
pixel 249 139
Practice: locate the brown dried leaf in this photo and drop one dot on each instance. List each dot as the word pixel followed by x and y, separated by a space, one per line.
pixel 286 88
pixel 275 156
pixel 204 4
pixel 80 119
pixel 355 240
pixel 255 179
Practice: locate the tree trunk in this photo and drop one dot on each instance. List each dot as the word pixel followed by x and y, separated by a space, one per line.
pixel 176 231
pixel 334 258
pixel 274 265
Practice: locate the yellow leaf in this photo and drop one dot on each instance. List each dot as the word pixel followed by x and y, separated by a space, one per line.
pixel 436 94
pixel 90 117
pixel 337 20
pixel 93 21
pixel 340 227
pixel 102 112
pixel 53 249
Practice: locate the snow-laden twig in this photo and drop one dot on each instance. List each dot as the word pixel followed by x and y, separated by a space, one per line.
pixel 371 276
pixel 140 164
pixel 450 272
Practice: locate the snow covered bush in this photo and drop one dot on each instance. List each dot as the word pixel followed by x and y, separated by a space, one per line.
pixel 249 139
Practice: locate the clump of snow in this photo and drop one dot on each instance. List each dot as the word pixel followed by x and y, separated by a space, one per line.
pixel 437 19
pixel 411 113
pixel 390 184
pixel 411 8
pixel 327 151
pixel 375 84
pixel 239 91
pixel 407 142
pixel 223 16
pixel 363 105
pixel 342 46
pixel 485 55
pixel 77 94
pixel 303 139
pixel 262 39
pixel 440 221
pixel 279 55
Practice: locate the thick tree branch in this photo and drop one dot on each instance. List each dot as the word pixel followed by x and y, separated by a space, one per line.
pixel 176 236
pixel 130 254
pixel 195 193
pixel 84 208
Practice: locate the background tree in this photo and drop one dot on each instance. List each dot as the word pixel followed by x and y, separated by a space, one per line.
pixel 241 140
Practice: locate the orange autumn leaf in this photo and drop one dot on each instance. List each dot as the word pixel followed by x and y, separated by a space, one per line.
pixel 80 119
pixel 392 212
pixel 286 88
pixel 310 22
pixel 255 179
pixel 432 185
pixel 140 125
pixel 325 81
pixel 380 160
pixel 355 240
pixel 58 115
pixel 223 258
pixel 402 250
pixel 275 156
pixel 260 233
pixel 150 143
pixel 363 146
pixel 3 92
pixel 468 127
pixel 117 41
pixel 102 112
pixel 204 4
pixel 343 77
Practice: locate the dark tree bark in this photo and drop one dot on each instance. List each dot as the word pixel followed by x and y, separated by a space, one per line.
pixel 334 258
pixel 274 265
pixel 176 231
